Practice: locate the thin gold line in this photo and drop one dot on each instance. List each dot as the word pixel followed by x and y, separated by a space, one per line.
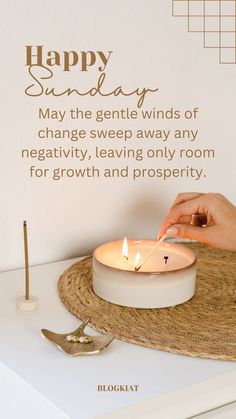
pixel 188 17
pixel 205 16
pixel 204 22
pixel 235 33
pixel 218 15
pixel 220 60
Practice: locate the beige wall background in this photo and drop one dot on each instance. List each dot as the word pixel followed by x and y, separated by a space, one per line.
pixel 150 47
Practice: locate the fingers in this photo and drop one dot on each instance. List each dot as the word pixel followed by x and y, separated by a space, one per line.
pixel 181 212
pixel 185 196
pixel 180 198
pixel 210 235
pixel 186 231
pixel 221 219
pixel 186 219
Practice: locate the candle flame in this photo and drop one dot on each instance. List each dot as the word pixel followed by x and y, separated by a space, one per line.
pixel 137 260
pixel 125 251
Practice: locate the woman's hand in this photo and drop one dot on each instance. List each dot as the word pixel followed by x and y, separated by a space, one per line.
pixel 220 231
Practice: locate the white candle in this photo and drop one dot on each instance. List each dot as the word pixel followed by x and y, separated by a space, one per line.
pixel 158 283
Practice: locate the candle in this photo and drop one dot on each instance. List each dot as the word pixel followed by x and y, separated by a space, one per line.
pixel 167 277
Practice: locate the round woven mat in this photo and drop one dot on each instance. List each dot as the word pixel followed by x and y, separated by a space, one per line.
pixel 204 326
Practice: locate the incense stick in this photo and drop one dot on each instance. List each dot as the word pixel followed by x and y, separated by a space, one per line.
pixel 26 261
pixel 26 302
pixel 151 252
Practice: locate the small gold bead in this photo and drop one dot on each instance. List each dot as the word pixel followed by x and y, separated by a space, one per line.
pixel 75 339
pixel 85 339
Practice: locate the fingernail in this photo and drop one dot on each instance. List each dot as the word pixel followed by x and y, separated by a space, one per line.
pixel 172 231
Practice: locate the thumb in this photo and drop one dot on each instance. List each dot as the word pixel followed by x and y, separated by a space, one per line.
pixel 187 231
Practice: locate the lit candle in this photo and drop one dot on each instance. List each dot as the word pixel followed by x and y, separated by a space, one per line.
pixel 157 284
pixel 125 250
pixel 137 260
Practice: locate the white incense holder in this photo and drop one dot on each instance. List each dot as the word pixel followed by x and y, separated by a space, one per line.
pixel 24 304
pixel 166 279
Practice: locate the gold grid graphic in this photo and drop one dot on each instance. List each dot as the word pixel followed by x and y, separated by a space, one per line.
pixel 215 19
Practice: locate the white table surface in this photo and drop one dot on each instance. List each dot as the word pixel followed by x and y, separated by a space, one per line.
pixel 36 376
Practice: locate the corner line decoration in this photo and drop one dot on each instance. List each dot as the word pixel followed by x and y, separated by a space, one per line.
pixel 215 20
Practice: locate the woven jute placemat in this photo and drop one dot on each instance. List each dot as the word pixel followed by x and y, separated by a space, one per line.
pixel 205 326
